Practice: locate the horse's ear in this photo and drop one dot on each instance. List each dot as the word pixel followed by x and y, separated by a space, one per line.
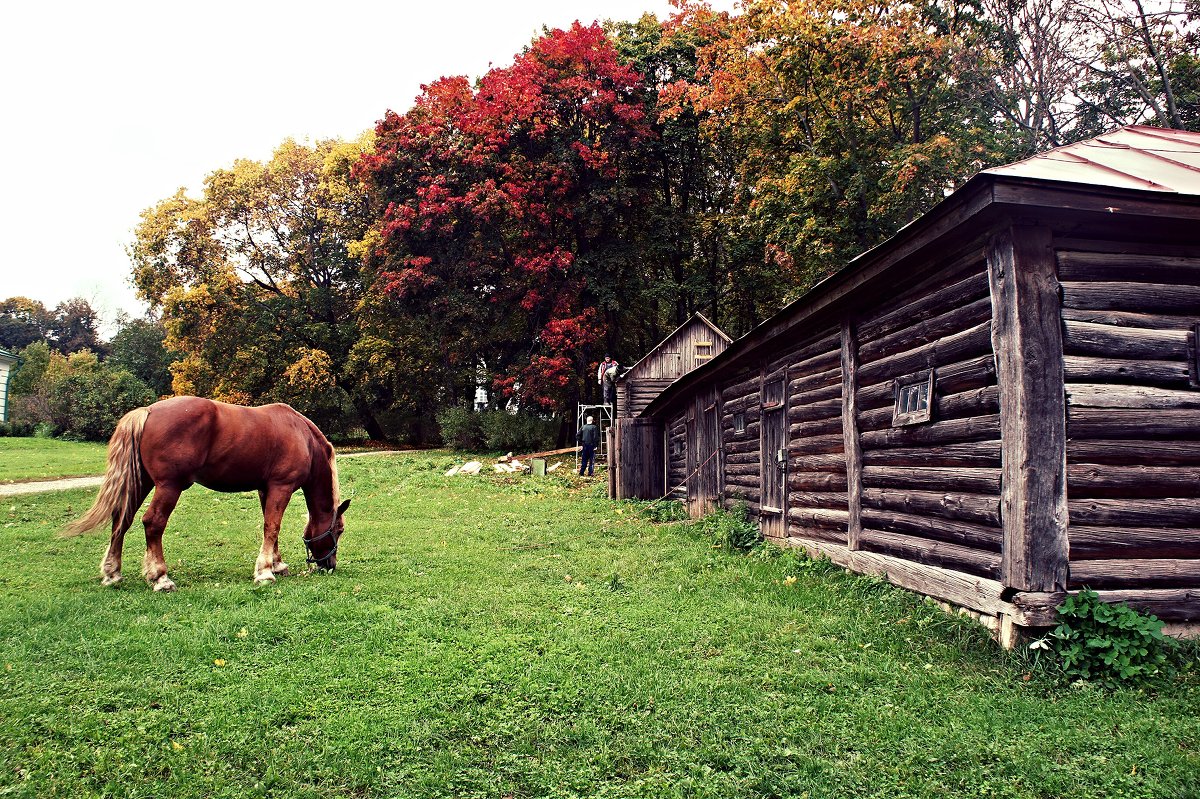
pixel 342 508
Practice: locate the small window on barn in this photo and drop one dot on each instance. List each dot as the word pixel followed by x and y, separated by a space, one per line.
pixel 914 399
pixel 739 422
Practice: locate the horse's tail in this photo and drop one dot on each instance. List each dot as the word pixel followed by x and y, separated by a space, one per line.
pixel 121 494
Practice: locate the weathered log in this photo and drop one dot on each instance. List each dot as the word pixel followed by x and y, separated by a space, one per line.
pixel 1150 453
pixel 1097 480
pixel 744 443
pixel 1172 512
pixel 811 382
pixel 955 479
pixel 736 458
pixel 961 507
pixel 1168 604
pixel 821 463
pixel 816 481
pixel 1080 369
pixel 952 321
pixel 1098 543
pixel 1026 335
pixel 960 292
pixel 1107 341
pixel 1149 321
pixel 815 348
pixel 818 499
pixel 817 533
pixel 816 428
pixel 977 453
pixel 1108 266
pixel 818 445
pixel 932 553
pixel 1101 395
pixel 814 411
pixel 977 402
pixel 818 395
pixel 1138 297
pixel 752 469
pixel 850 433
pixel 957 377
pixel 820 517
pixel 1136 573
pixel 968 343
pixel 951 431
pixel 976 536
pixel 1103 423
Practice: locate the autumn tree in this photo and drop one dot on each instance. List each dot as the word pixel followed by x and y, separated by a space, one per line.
pixel 504 207
pixel 258 282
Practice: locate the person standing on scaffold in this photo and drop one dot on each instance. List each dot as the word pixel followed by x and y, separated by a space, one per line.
pixel 606 376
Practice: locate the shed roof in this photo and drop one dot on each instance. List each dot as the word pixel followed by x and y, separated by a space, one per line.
pixel 694 317
pixel 1134 157
pixel 8 356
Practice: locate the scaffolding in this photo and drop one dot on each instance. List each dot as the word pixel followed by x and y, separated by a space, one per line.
pixel 603 414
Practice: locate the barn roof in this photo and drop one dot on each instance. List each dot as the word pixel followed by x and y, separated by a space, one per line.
pixel 694 317
pixel 1124 166
pixel 1135 157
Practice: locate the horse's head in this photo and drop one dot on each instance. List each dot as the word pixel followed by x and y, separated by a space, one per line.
pixel 322 545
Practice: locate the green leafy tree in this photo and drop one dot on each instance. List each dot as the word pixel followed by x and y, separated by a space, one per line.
pixel 22 322
pixel 138 347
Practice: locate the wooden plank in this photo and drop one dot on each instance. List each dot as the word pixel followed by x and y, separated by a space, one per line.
pixel 955 479
pixel 927 304
pixel 969 591
pixel 1138 297
pixel 976 453
pixel 1027 341
pixel 952 431
pixel 1098 543
pixel 1081 369
pixel 1108 341
pixel 971 342
pixel 1136 573
pixel 1171 512
pixel 932 553
pixel 1100 480
pixel 853 445
pixel 977 536
pixel 952 321
pixel 1124 423
pixel 962 507
pixel 1101 395
pixel 1110 266
pixel 1152 453
pixel 1168 604
pixel 1149 321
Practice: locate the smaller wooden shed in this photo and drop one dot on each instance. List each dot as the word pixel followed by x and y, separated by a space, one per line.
pixel 692 344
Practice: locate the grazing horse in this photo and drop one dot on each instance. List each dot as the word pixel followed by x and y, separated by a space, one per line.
pixel 174 443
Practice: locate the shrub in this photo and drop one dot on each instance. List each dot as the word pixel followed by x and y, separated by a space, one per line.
pixel 661 511
pixel 516 432
pixel 1111 644
pixel 80 397
pixel 461 429
pixel 731 529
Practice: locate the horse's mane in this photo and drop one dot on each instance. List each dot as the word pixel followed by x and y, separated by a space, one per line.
pixel 337 499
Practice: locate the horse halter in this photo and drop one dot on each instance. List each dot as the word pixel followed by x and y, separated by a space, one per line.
pixel 308 542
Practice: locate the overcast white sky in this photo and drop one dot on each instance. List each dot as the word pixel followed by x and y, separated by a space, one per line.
pixel 109 107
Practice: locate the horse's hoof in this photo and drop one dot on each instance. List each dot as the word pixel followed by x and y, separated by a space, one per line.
pixel 164 584
pixel 264 578
pixel 110 579
pixel 280 569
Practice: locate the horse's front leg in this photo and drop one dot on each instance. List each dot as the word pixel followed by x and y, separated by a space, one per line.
pixel 274 502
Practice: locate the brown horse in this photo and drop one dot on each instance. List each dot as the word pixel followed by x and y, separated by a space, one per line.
pixel 177 442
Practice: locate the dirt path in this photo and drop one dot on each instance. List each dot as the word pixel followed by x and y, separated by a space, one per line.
pixel 67 483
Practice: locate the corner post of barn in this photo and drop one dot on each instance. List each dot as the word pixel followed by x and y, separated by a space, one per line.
pixel 1027 341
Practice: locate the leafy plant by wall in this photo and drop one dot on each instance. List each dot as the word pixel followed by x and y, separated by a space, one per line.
pixel 1111 644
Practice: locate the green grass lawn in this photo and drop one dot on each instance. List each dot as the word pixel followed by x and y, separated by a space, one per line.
pixel 513 637
pixel 25 459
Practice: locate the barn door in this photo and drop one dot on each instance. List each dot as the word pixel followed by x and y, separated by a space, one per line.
pixel 773 508
pixel 692 442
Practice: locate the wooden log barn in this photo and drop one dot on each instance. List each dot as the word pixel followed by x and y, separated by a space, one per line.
pixel 692 344
pixel 999 404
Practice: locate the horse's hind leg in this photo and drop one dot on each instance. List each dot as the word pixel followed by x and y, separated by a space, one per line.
pixel 274 500
pixel 110 566
pixel 155 521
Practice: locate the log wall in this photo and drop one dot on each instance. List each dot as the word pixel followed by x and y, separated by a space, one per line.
pixel 676 455
pixel 1133 418
pixel 930 491
pixel 742 395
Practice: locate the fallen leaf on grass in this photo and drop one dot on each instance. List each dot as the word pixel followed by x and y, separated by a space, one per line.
pixel 219 662
pixel 789 580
